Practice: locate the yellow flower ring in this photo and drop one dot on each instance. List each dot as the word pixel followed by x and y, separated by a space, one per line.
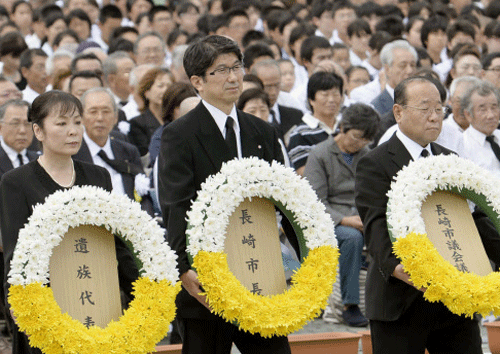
pixel 147 319
pixel 208 219
pixel 463 293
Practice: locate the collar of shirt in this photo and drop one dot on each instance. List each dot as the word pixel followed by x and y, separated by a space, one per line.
pixel 314 122
pixel 390 90
pixel 476 135
pixel 12 154
pixel 413 148
pixel 276 110
pixel 450 121
pixel 221 117
pixel 94 149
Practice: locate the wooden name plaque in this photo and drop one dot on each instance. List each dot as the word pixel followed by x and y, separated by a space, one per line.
pixel 84 276
pixel 253 247
pixel 451 228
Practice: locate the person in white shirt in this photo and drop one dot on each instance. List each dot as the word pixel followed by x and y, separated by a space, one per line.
pixel 116 70
pixel 482 109
pixel 33 69
pixel 359 34
pixel 344 12
pixel 131 109
pixel 110 17
pixel 456 124
pixel 322 18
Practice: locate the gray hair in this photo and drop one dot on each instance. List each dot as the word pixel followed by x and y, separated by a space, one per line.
pixel 60 53
pixel 99 89
pixel 483 89
pixel 268 63
pixel 178 55
pixel 471 80
pixel 15 103
pixel 110 66
pixel 387 52
pixel 148 34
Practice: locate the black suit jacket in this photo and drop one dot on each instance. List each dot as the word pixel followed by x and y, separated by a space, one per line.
pixel 6 163
pixel 387 297
pixel 192 149
pixel 290 117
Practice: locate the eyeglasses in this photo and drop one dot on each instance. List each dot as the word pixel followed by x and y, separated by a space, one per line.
pixel 439 110
pixel 226 70
pixel 17 124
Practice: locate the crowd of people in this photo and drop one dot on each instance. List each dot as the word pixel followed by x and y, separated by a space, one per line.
pixel 331 79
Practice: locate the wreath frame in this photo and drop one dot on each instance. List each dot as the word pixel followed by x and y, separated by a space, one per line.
pixel 219 196
pixel 37 313
pixel 462 293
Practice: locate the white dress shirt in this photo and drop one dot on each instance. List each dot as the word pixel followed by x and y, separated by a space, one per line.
pixel 477 149
pixel 366 93
pixel 12 154
pixel 220 119
pixel 116 177
pixel 451 136
pixel 413 148
pixel 29 94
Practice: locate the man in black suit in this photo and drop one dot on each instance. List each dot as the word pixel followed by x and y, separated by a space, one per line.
pixel 17 135
pixel 120 158
pixel 194 147
pixel 401 320
pixel 283 118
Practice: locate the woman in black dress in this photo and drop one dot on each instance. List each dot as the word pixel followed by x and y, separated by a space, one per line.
pixel 56 118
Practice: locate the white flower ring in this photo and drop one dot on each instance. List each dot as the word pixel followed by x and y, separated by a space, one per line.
pixel 147 319
pixel 208 218
pixel 463 293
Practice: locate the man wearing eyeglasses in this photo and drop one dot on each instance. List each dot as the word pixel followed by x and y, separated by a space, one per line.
pixel 401 320
pixel 491 68
pixel 194 147
pixel 17 136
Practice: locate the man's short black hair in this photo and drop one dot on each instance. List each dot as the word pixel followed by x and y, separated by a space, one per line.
pixel 16 4
pixel 358 27
pixel 252 36
pixel 488 59
pixel 323 81
pixel 431 25
pixel 255 51
pixel 120 31
pixel 184 7
pixel 86 74
pixel 12 43
pixel 392 25
pixel 109 11
pixel 368 9
pixel 378 40
pixel 176 33
pixel 341 5
pixel 28 55
pixel 79 14
pixel 60 36
pixel 310 44
pixel 200 55
pixel 460 26
pixel 82 56
pixel 157 9
pixel 302 29
pixel 320 7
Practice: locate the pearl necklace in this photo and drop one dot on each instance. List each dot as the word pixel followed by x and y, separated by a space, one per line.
pixel 72 176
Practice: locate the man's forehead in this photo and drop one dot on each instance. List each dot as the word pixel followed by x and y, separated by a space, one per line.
pixel 14 111
pixel 477 98
pixel 7 85
pixel 422 91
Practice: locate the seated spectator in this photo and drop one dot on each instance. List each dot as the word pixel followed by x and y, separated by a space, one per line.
pixel 341 55
pixel 466 61
pixel 151 89
pixel 287 74
pixel 33 69
pixel 325 96
pixel 359 34
pixel 11 46
pixel 330 169
pixel 491 68
pixel 412 31
pixel 356 76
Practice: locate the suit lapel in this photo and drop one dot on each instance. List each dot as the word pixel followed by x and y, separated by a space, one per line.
pixel 210 137
pixel 120 153
pixel 32 155
pixel 5 163
pixel 400 155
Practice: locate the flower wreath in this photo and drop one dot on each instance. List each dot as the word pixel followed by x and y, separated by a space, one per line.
pixel 37 313
pixel 462 293
pixel 312 284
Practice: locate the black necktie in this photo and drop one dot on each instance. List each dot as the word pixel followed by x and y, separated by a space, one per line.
pixel 123 103
pixel 424 153
pixel 274 120
pixel 231 137
pixel 20 158
pixel 494 146
pixel 122 167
